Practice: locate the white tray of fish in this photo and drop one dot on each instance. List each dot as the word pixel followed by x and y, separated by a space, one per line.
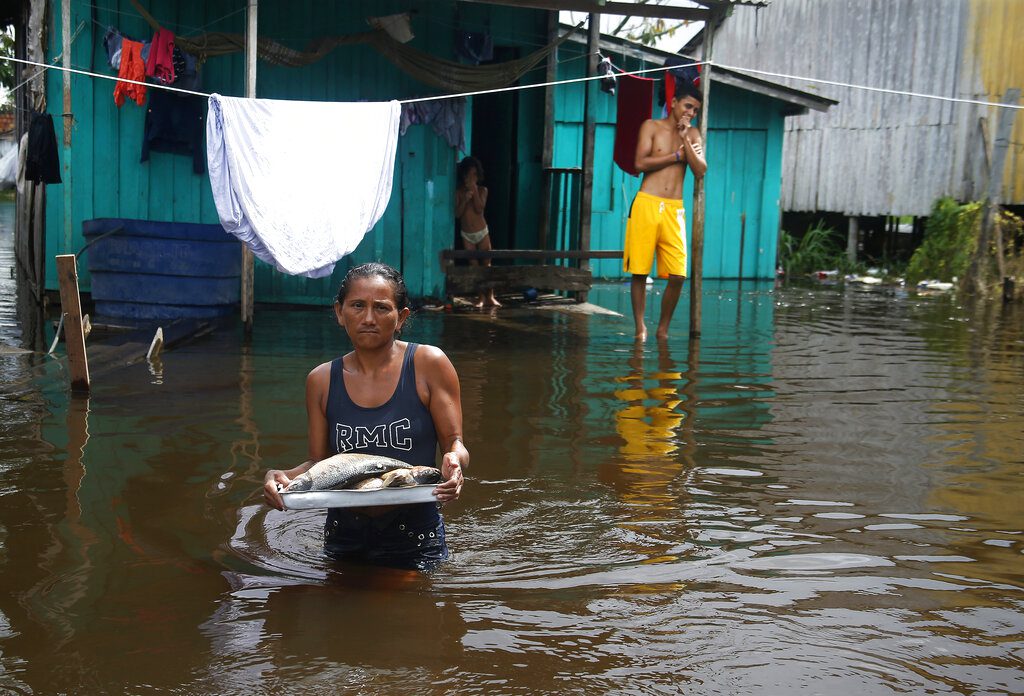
pixel 308 500
pixel 360 480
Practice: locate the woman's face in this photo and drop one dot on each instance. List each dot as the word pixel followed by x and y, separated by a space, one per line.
pixel 369 313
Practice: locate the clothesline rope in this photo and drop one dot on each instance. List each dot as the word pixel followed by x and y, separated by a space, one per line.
pixel 555 83
pixel 115 78
pixel 884 90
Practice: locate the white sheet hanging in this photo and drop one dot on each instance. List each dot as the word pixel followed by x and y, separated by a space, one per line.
pixel 300 182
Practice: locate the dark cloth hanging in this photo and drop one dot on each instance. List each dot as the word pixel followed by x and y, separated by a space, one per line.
pixel 186 70
pixel 604 67
pixel 474 47
pixel 635 97
pixel 446 116
pixel 175 123
pixel 112 42
pixel 41 162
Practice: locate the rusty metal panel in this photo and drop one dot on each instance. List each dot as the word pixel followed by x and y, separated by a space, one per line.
pixel 878 153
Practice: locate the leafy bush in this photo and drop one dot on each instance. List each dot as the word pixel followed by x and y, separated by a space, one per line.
pixel 950 238
pixel 817 250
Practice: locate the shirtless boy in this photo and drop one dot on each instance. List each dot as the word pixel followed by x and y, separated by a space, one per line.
pixel 657 221
pixel 470 201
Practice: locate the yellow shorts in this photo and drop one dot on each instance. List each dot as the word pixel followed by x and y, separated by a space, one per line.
pixel 655 225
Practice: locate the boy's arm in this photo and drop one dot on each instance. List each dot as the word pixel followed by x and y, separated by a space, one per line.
pixel 694 149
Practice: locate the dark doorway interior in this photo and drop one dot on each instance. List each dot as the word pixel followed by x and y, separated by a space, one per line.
pixel 495 136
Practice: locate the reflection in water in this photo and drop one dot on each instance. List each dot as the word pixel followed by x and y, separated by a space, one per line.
pixel 649 420
pixel 66 559
pixel 657 450
pixel 820 496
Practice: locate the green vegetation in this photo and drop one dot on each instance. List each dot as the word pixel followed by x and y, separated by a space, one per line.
pixel 950 239
pixel 950 248
pixel 819 249
pixel 6 69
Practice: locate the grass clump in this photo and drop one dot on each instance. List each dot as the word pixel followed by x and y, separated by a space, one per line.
pixel 819 249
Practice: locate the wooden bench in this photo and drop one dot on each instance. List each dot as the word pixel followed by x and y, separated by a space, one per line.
pixel 465 280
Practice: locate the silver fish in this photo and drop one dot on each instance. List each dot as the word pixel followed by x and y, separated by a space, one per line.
pixel 342 471
pixel 400 478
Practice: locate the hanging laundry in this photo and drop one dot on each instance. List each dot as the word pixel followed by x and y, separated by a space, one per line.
pixel 175 123
pixel 112 42
pixel 41 162
pixel 397 26
pixel 474 47
pixel 186 70
pixel 446 116
pixel 684 78
pixel 132 68
pixel 22 163
pixel 300 183
pixel 9 168
pixel 160 61
pixel 604 67
pixel 636 95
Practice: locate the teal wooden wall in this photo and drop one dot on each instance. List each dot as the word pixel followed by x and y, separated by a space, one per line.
pixel 104 178
pixel 744 152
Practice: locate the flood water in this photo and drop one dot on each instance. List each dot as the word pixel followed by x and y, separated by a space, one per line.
pixel 822 495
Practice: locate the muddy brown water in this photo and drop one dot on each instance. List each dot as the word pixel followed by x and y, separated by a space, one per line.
pixel 823 495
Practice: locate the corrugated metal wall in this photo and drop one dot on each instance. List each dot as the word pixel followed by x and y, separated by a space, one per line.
pixel 875 153
pixel 104 178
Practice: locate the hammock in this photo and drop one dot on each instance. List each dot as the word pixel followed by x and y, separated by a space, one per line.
pixel 428 69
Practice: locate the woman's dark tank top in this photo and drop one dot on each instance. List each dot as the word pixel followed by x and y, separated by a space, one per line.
pixel 400 428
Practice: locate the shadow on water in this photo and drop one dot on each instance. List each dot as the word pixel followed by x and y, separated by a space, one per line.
pixel 821 494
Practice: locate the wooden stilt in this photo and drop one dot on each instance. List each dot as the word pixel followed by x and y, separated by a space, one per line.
pixel 71 308
pixel 697 232
pixel 589 134
pixel 248 263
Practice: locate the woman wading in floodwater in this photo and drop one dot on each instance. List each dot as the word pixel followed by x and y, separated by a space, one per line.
pixel 389 398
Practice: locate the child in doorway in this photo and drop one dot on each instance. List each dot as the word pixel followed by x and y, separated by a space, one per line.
pixel 470 201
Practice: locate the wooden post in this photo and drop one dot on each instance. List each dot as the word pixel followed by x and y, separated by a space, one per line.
pixel 65 20
pixel 547 156
pixel 852 238
pixel 1004 127
pixel 697 245
pixel 589 131
pixel 74 336
pixel 978 272
pixel 66 189
pixel 743 241
pixel 248 264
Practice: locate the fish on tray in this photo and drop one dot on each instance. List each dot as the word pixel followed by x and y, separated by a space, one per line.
pixel 400 478
pixel 360 471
